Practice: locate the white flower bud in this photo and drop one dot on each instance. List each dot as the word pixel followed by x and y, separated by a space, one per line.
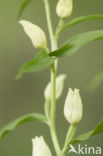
pixel 64 8
pixel 40 148
pixel 73 107
pixel 35 33
pixel 59 87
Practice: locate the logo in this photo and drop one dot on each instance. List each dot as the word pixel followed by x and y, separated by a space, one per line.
pixel 85 150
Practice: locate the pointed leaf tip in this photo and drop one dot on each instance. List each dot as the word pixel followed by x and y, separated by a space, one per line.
pixel 22 7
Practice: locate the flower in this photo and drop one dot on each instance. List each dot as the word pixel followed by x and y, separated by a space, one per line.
pixel 40 148
pixel 35 33
pixel 73 107
pixel 64 8
pixel 59 87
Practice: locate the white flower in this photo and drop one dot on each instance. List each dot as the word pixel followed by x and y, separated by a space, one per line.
pixel 40 148
pixel 35 33
pixel 64 8
pixel 73 107
pixel 59 87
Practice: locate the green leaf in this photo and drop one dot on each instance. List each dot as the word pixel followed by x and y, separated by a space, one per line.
pixel 19 121
pixel 95 81
pixel 81 20
pixel 23 6
pixel 97 130
pixel 77 42
pixel 41 61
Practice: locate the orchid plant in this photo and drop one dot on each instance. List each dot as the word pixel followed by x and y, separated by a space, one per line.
pixel 48 58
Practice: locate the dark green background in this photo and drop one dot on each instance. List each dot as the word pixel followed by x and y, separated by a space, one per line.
pixel 19 97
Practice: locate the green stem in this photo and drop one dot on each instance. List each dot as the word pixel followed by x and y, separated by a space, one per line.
pixel 53 94
pixel 69 137
pixel 47 108
pixel 59 28
pixel 50 29
pixel 53 39
pixel 53 80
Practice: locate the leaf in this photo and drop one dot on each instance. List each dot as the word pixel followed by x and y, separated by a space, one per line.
pixel 98 129
pixel 95 81
pixel 81 20
pixel 23 6
pixel 41 61
pixel 77 42
pixel 19 121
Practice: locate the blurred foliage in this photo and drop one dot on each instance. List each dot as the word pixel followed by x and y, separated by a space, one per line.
pixel 95 82
pixel 22 7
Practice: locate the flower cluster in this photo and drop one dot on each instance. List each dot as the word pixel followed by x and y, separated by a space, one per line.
pixel 72 112
pixel 73 103
pixel 36 34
